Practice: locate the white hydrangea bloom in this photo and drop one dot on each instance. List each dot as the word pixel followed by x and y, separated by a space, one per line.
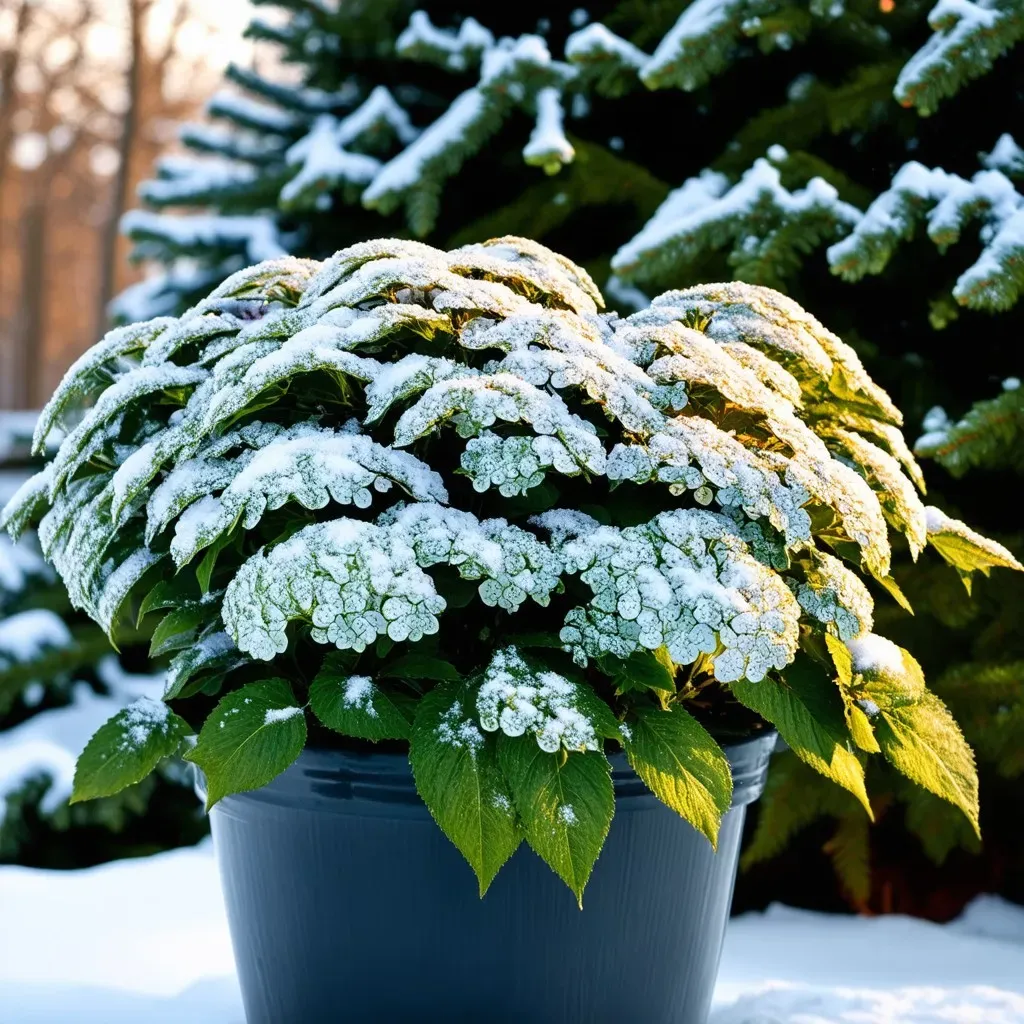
pixel 835 596
pixel 514 464
pixel 686 581
pixel 516 699
pixel 351 581
pixel 512 562
pixel 475 403
pixel 563 523
pixel 354 581
pixel 739 476
pixel 730 396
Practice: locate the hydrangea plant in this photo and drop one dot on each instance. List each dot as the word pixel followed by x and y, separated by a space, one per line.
pixel 442 499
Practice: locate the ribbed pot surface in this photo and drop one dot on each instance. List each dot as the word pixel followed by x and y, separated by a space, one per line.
pixel 347 904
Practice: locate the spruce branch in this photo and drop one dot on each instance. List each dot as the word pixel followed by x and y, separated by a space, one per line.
pixel 989 436
pixel 947 203
pixel 764 227
pixel 969 36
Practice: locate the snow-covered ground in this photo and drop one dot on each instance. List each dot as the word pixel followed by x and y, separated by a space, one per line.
pixel 145 942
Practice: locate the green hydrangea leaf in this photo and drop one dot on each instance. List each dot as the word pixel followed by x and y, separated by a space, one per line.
pixel 213 652
pixel 421 666
pixel 681 765
pixel 565 801
pixel 177 629
pixel 923 741
pixel 125 749
pixel 251 736
pixel 168 593
pixel 807 710
pixel 355 705
pixel 456 771
pixel 643 670
pixel 964 549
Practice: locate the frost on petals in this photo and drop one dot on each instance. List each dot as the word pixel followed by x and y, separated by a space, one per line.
pixel 516 699
pixel 353 581
pixel 685 581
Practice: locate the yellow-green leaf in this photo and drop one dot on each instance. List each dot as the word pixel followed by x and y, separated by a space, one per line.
pixel 964 549
pixel 923 741
pixel 807 710
pixel 681 765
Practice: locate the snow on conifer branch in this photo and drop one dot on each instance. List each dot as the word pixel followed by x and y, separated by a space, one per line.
pixel 758 221
pixel 947 203
pixel 455 51
pixel 1006 156
pixel 990 434
pixel 611 61
pixel 969 36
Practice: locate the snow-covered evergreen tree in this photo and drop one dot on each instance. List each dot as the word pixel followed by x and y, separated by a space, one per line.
pixel 395 120
pixel 385 118
pixel 60 680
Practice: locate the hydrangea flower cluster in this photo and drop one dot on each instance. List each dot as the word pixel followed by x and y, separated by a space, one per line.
pixel 517 699
pixel 684 581
pixel 451 501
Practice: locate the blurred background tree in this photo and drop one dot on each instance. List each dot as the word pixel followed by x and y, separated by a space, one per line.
pixel 628 136
pixel 90 93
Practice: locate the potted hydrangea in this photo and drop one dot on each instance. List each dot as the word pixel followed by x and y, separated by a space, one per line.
pixel 431 535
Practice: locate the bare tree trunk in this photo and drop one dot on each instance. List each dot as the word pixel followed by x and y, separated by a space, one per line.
pixel 119 200
pixel 9 60
pixel 8 99
pixel 28 352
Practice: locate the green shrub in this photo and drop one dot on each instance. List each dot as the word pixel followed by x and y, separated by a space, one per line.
pixel 647 528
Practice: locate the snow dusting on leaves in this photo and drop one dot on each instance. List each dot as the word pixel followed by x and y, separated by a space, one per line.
pixel 127 748
pixel 834 596
pixel 359 693
pixel 456 729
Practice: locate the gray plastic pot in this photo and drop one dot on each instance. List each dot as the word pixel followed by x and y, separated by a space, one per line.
pixel 347 904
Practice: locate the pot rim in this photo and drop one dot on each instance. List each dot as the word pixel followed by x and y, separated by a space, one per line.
pixel 334 776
